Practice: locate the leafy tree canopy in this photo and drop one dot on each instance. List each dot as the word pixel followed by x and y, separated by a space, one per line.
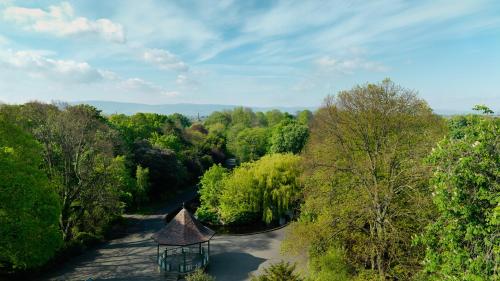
pixel 29 205
pixel 464 241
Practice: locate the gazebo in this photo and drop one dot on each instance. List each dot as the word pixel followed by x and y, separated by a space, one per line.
pixel 184 243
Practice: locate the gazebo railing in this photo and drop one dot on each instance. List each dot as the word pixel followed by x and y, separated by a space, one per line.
pixel 183 259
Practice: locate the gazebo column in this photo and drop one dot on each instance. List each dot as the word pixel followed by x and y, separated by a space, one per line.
pixel 184 258
pixel 199 248
pixel 158 253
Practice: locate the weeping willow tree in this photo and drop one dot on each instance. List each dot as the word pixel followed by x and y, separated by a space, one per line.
pixel 265 189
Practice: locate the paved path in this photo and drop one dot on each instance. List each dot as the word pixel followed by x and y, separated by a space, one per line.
pixel 133 256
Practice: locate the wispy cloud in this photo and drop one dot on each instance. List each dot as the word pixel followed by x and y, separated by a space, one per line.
pixel 349 66
pixel 60 20
pixel 164 60
pixel 34 64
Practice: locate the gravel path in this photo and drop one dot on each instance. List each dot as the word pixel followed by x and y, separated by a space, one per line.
pixel 132 257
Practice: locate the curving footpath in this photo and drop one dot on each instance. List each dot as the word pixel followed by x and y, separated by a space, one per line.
pixel 132 257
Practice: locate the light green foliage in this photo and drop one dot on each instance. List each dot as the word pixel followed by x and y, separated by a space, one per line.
pixel 142 183
pixel 249 144
pixel 29 206
pixel 266 188
pixel 288 136
pixel 199 275
pixel 366 185
pixel 211 186
pixel 464 241
pixel 121 174
pixel 138 126
pixel 304 117
pixel 329 266
pixel 281 271
pixel 218 117
pixel 171 141
pixel 274 117
pixel 244 116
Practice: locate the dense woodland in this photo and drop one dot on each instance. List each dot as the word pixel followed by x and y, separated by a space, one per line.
pixel 379 187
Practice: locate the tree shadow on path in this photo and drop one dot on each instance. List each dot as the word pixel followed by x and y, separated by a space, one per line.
pixel 233 266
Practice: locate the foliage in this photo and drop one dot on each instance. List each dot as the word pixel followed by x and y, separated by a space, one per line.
pixel 166 172
pixel 266 188
pixel 281 271
pixel 329 266
pixel 249 144
pixel 304 117
pixel 199 275
pixel 211 185
pixel 142 184
pixel 78 152
pixel 365 182
pixel 171 142
pixel 29 206
pixel 288 136
pixel 464 241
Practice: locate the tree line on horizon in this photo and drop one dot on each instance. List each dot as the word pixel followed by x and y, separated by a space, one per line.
pixel 383 188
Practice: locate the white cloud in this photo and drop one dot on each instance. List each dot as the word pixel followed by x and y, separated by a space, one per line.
pixel 69 73
pixel 34 63
pixel 164 60
pixel 60 20
pixel 349 66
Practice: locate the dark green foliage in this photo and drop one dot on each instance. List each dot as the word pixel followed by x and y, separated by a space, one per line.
pixel 464 241
pixel 29 205
pixel 166 172
pixel 281 271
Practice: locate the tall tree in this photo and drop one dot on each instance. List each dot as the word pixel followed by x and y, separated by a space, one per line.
pixel 366 185
pixel 29 206
pixel 78 153
pixel 463 243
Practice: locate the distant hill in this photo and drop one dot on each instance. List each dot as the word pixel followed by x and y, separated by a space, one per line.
pixel 188 109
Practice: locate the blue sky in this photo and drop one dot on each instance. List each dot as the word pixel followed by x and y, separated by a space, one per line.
pixel 254 53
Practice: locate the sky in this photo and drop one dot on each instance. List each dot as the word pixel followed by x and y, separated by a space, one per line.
pixel 252 53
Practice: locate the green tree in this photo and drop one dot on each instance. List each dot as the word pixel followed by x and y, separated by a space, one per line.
pixel 366 186
pixel 463 243
pixel 244 116
pixel 29 206
pixel 304 117
pixel 281 271
pixel 249 144
pixel 78 153
pixel 288 136
pixel 211 186
pixel 142 183
pixel 171 142
pixel 274 117
pixel 329 266
pixel 267 188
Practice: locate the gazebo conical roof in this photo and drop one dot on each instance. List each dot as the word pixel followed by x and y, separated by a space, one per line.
pixel 183 230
